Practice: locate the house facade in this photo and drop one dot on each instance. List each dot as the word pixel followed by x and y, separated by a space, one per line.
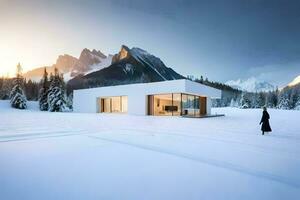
pixel 166 98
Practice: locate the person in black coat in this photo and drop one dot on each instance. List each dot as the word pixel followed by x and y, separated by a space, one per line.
pixel 265 125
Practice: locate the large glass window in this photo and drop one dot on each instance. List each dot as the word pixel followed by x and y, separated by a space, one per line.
pixel 184 104
pixel 175 104
pixel 163 104
pixel 197 105
pixel 188 104
pixel 116 104
pixel 124 104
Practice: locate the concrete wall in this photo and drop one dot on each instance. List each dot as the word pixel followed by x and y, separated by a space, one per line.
pixel 201 90
pixel 85 100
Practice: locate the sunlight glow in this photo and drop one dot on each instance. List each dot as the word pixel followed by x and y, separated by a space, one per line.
pixel 12 53
pixel 26 40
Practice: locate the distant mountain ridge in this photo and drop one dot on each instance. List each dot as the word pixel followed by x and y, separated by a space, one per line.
pixel 251 85
pixel 128 66
pixel 86 61
pixel 70 66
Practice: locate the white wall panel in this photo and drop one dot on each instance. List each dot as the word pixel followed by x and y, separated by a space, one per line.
pixel 85 100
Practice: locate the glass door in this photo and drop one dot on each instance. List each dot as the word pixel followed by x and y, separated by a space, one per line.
pixel 190 105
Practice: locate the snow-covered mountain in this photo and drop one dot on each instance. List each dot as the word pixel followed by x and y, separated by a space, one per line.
pixel 251 85
pixel 88 61
pixel 128 66
pixel 296 81
pixel 139 59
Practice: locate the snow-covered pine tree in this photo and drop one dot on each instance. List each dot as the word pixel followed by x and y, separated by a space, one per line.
pixel 56 95
pixel 254 100
pixel 17 98
pixel 283 102
pixel 43 93
pixel 216 103
pixel 69 102
pixel 272 99
pixel 242 100
pixel 245 101
pixel 7 85
pixel 261 99
pixel 297 106
pixel 234 102
pixel 293 98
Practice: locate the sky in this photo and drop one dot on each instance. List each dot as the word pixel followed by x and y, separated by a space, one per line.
pixel 221 40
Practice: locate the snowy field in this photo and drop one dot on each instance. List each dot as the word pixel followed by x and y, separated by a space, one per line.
pixel 100 156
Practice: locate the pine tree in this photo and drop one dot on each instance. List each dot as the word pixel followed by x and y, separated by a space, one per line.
pixel 7 85
pixel 17 97
pixel 31 90
pixel 283 102
pixel 69 102
pixel 206 81
pixel 293 99
pixel 201 79
pixel 297 106
pixel 43 93
pixel 272 99
pixel 261 100
pixel 234 103
pixel 56 95
pixel 255 100
pixel 245 101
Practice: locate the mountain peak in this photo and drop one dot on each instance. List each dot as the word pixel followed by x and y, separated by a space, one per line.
pixel 123 53
pixel 94 52
pixel 133 65
pixel 86 50
pixel 65 62
pixel 98 53
pixel 136 53
pixel 125 47
pixel 87 60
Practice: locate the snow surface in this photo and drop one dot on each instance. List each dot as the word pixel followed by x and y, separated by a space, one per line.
pixel 113 156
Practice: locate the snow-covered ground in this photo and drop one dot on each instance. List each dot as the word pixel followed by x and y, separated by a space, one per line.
pixel 99 156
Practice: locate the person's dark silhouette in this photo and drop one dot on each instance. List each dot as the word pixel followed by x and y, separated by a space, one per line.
pixel 265 125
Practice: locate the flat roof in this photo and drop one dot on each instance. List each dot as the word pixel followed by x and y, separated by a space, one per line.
pixel 170 86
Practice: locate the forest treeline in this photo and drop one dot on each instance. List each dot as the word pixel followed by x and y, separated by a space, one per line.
pixel 286 98
pixel 50 91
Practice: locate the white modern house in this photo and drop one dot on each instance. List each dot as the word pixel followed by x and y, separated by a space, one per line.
pixel 175 97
